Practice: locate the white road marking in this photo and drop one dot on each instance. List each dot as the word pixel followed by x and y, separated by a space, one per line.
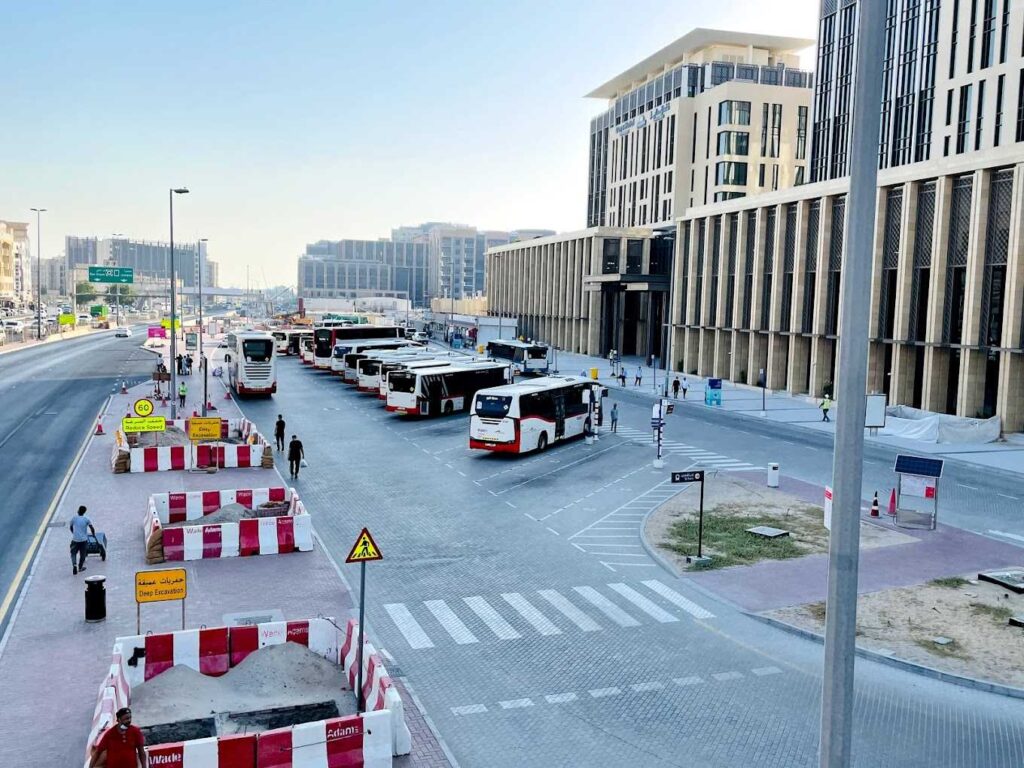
pixel 453 624
pixel 691 680
pixel 724 676
pixel 654 685
pixel 762 671
pixel 607 607
pixel 1013 536
pixel 570 611
pixel 491 618
pixel 408 626
pixel 554 531
pixel 599 693
pixel 645 605
pixel 469 709
pixel 678 600
pixel 525 609
pixel 516 703
pixel 968 487
pixel 560 698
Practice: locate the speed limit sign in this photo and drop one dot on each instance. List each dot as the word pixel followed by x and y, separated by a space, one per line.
pixel 143 407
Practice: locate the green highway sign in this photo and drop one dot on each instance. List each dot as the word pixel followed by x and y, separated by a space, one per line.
pixel 111 275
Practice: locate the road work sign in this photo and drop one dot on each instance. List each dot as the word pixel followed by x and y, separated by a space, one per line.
pixel 204 428
pixel 364 550
pixel 140 424
pixel 143 407
pixel 158 586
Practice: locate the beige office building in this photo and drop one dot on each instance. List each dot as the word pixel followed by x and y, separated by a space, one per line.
pixel 6 262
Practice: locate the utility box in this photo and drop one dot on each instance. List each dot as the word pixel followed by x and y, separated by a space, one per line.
pixel 773 475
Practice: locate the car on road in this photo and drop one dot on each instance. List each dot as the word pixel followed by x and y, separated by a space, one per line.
pixel 14 326
pixel 123 333
pixel 420 336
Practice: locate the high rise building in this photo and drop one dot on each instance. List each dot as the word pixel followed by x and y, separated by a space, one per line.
pixel 714 115
pixel 6 263
pixel 351 269
pixel 151 260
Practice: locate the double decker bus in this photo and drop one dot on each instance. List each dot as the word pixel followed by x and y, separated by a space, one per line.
pixel 531 415
pixel 350 360
pixel 250 363
pixel 442 388
pixel 525 356
pixel 326 337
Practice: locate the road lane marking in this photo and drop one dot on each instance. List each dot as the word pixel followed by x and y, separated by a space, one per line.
pixel 516 703
pixel 645 605
pixel 470 709
pixel 570 611
pixel 678 600
pixel 501 628
pixel 408 626
pixel 600 693
pixel 560 698
pixel 654 685
pixel 762 671
pixel 607 607
pixel 691 680
pixel 725 676
pixel 1013 536
pixel 446 618
pixel 525 609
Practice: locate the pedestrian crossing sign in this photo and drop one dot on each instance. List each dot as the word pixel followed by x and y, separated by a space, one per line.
pixel 364 549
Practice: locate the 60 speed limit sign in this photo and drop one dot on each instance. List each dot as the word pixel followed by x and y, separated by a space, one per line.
pixel 143 407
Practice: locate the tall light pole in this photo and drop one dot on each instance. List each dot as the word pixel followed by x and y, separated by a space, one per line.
pixel 174 334
pixel 202 358
pixel 837 694
pixel 117 291
pixel 39 275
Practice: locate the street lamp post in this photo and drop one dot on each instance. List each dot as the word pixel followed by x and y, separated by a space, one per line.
pixel 174 336
pixel 202 358
pixel 117 293
pixel 39 275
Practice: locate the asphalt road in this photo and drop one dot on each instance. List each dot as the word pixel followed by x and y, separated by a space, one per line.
pixel 516 599
pixel 49 399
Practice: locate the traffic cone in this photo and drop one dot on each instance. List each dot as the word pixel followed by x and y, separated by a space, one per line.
pixel 99 427
pixel 163 400
pixel 210 406
pixel 227 394
pixel 892 503
pixel 874 505
pixel 124 387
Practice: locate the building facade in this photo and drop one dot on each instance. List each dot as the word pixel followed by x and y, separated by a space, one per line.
pixel 715 115
pixel 350 269
pixel 53 273
pixel 150 260
pixel 6 263
pixel 591 291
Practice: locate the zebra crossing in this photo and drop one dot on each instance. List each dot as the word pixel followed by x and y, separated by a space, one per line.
pixel 699 456
pixel 544 613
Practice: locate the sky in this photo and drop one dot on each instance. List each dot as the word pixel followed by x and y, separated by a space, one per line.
pixel 300 121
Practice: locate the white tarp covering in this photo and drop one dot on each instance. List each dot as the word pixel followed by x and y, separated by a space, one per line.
pixel 915 424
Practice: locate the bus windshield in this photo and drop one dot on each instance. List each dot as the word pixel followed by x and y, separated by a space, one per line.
pixel 537 353
pixel 257 350
pixel 493 406
pixel 402 381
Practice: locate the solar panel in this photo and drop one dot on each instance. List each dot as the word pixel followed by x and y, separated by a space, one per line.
pixel 918 465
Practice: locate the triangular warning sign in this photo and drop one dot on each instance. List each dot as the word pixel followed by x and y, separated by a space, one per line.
pixel 364 549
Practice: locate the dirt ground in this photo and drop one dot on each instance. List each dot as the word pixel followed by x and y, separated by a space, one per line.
pixel 277 676
pixel 729 496
pixel 905 621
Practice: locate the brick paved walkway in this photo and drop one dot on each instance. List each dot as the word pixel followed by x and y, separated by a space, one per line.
pixel 54 660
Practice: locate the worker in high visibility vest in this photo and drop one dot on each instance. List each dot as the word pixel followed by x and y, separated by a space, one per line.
pixel 182 391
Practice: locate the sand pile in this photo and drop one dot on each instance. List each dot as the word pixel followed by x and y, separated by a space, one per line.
pixel 229 513
pixel 277 676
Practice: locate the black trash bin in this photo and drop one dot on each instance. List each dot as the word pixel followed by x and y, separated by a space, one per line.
pixel 95 598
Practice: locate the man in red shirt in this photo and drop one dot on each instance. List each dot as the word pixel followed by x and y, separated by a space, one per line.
pixel 121 745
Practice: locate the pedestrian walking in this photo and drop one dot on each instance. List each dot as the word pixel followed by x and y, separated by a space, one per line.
pixel 686 386
pixel 188 364
pixel 826 404
pixel 178 362
pixel 182 391
pixel 675 388
pixel 279 432
pixel 122 745
pixel 615 417
pixel 80 527
pixel 622 378
pixel 639 375
pixel 295 456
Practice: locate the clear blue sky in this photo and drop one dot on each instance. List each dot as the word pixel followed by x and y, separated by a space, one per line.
pixel 296 121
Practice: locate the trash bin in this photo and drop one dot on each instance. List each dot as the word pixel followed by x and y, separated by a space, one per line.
pixel 593 373
pixel 773 475
pixel 95 598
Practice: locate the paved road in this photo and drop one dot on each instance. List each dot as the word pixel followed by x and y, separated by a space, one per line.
pixel 518 601
pixel 49 398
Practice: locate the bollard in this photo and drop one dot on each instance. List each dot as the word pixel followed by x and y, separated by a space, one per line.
pixel 95 598
pixel 773 475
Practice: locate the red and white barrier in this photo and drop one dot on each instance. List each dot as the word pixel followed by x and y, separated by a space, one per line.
pixel 194 505
pixel 200 456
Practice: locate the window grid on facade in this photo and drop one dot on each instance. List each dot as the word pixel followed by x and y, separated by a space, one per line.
pixel 835 262
pixel 769 258
pixel 716 247
pixel 810 265
pixel 748 268
pixel 919 281
pixel 956 259
pixel 788 262
pixel 997 242
pixel 685 277
pixel 730 281
pixel 890 262
pixel 699 284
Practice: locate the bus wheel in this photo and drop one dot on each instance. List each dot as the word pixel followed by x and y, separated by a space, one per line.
pixel 449 407
pixel 542 442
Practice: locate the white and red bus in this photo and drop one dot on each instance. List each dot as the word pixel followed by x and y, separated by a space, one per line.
pixel 306 349
pixel 531 415
pixel 439 359
pixel 350 360
pixel 525 356
pixel 369 368
pixel 325 338
pixel 442 388
pixel 286 341
pixel 250 363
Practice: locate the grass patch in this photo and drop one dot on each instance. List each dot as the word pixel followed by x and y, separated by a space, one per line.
pixel 952 650
pixel 816 611
pixel 727 541
pixel 950 582
pixel 998 612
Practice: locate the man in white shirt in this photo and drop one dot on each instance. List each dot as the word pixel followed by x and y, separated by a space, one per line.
pixel 81 527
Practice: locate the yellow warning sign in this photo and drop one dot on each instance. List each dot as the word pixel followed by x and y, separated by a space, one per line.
pixel 155 586
pixel 204 428
pixel 139 424
pixel 143 408
pixel 364 549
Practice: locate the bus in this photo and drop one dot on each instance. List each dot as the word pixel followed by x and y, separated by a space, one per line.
pixel 443 388
pixel 285 340
pixel 350 361
pixel 373 373
pixel 531 415
pixel 369 368
pixel 306 349
pixel 326 337
pixel 295 337
pixel 250 363
pixel 525 356
pixel 343 348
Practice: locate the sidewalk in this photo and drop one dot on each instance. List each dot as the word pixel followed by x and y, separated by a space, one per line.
pixel 798 410
pixel 52 661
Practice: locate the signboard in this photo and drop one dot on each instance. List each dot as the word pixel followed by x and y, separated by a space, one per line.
pixel 204 428
pixel 143 407
pixel 191 341
pixel 688 477
pixel 364 550
pixel 111 275
pixel 65 319
pixel 98 310
pixel 828 508
pixel 157 586
pixel 147 424
pixel 874 414
pixel 156 333
pixel 167 324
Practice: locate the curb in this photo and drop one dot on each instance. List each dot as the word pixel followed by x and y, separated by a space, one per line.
pixel 651 550
pixel 908 666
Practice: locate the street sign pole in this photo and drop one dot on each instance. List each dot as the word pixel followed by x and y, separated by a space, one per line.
pixel 363 550
pixel 700 520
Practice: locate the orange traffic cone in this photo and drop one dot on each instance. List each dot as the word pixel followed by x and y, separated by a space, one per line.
pixel 210 406
pixel 892 503
pixel 874 505
pixel 227 394
pixel 163 400
pixel 99 427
